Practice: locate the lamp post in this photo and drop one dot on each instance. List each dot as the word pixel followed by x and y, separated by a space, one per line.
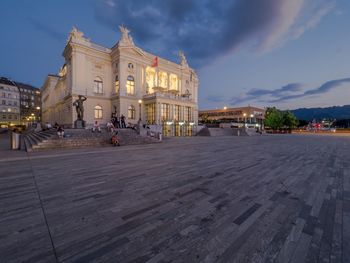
pixel 245 118
pixel 251 116
pixel 140 102
pixel 32 118
pixel 38 114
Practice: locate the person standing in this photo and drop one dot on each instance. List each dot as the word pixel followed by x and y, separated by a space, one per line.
pixel 123 121
pixel 116 122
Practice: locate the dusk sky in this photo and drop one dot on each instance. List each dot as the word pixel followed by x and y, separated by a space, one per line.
pixel 284 53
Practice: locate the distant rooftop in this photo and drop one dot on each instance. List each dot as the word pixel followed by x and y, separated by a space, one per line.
pixel 7 81
pixel 25 86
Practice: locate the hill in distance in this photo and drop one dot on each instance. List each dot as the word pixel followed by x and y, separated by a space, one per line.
pixel 335 112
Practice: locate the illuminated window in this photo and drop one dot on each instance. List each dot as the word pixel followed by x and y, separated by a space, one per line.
pixel 151 113
pixel 98 112
pixel 117 84
pixel 98 85
pixel 163 79
pixel 130 85
pixel 173 82
pixel 188 114
pixel 165 111
pixel 131 112
pixel 177 113
pixel 151 79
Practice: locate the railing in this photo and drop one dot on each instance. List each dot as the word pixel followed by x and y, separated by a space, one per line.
pixel 166 96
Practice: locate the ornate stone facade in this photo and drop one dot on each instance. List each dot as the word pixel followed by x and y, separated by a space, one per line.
pixel 122 80
pixel 10 103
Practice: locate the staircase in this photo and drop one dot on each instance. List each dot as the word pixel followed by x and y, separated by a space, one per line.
pixel 80 138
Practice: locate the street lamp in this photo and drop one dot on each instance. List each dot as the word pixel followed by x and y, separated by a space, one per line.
pixel 245 118
pixel 225 108
pixel 140 102
pixel 38 113
pixel 251 116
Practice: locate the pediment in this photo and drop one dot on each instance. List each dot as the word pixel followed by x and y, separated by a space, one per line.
pixel 132 50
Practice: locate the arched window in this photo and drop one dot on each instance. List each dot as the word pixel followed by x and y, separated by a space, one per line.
pixel 98 112
pixel 151 79
pixel 130 85
pixel 116 84
pixel 130 66
pixel 98 85
pixel 173 82
pixel 131 112
pixel 163 79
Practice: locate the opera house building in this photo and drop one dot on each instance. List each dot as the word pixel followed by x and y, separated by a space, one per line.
pixel 122 80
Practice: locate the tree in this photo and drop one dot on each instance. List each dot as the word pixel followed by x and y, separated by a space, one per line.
pixel 273 118
pixel 289 120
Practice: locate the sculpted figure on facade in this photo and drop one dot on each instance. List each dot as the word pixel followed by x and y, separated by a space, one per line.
pixel 75 34
pixel 79 107
pixel 183 60
pixel 126 39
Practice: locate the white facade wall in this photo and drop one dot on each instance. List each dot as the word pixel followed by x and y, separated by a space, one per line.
pixel 86 61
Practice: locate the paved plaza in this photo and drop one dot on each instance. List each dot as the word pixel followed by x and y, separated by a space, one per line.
pixel 273 198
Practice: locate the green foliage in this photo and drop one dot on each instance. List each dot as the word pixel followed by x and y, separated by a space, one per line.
pixel 289 120
pixel 273 118
pixel 277 119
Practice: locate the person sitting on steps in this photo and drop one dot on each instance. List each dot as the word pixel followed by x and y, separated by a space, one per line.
pixel 96 127
pixel 115 139
pixel 60 132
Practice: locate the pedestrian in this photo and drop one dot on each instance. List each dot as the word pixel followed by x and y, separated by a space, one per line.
pixel 60 132
pixel 113 120
pixel 110 126
pixel 122 118
pixel 116 122
pixel 96 127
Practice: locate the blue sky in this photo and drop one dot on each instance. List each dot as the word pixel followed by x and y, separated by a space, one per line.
pixel 282 53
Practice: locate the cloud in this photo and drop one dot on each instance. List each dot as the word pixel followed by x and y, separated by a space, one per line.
pixel 215 98
pixel 207 29
pixel 324 88
pixel 261 95
pixel 47 30
pixel 292 87
pixel 310 21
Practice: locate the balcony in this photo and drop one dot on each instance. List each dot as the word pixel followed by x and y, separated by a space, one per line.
pixel 168 94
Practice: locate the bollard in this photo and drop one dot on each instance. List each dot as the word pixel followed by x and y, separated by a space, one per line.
pixel 160 136
pixel 15 141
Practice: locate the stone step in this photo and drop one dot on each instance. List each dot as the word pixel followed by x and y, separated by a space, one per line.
pixel 85 138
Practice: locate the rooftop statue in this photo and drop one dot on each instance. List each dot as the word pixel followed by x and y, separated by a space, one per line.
pixel 126 39
pixel 183 60
pixel 75 34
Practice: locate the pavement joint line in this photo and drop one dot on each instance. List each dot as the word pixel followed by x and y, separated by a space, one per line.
pixel 62 154
pixel 42 209
pixel 45 155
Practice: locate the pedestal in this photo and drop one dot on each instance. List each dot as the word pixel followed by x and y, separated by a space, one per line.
pixel 79 124
pixel 140 130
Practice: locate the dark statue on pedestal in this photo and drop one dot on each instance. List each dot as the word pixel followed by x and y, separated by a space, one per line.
pixel 79 107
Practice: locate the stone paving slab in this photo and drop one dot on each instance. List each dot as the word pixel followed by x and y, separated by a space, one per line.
pixel 278 198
